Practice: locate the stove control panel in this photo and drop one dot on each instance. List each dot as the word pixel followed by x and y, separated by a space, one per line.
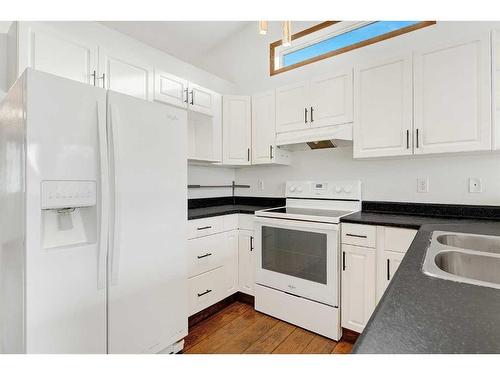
pixel 347 189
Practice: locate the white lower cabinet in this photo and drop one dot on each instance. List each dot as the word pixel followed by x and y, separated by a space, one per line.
pixel 388 266
pixel 370 257
pixel 246 272
pixel 220 259
pixel 205 290
pixel 231 263
pixel 358 286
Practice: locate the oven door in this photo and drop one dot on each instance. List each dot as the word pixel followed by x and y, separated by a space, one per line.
pixel 299 258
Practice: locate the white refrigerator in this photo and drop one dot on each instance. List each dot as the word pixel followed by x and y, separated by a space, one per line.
pixel 93 197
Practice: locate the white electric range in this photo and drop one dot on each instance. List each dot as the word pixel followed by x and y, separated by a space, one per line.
pixel 297 254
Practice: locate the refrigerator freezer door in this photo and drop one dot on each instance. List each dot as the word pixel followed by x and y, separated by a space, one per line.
pixel 147 296
pixel 65 305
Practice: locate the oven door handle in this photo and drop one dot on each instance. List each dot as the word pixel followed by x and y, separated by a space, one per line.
pixel 295 224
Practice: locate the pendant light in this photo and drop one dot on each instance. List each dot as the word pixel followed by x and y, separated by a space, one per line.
pixel 262 27
pixel 287 33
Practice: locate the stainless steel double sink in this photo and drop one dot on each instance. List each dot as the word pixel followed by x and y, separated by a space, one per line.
pixel 464 257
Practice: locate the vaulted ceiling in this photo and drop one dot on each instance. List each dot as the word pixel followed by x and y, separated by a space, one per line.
pixel 186 40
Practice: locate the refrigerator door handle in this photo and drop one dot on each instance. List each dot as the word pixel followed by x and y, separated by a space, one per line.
pixel 104 201
pixel 114 247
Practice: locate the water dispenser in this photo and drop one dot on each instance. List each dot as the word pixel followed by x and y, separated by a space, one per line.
pixel 69 213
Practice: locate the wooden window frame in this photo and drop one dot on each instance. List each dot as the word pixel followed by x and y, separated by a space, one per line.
pixel 322 25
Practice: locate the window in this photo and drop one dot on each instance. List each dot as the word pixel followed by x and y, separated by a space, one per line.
pixel 332 38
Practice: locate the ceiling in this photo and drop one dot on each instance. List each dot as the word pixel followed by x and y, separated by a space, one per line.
pixel 186 40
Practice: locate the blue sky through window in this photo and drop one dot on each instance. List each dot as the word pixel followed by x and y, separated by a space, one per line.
pixel 343 40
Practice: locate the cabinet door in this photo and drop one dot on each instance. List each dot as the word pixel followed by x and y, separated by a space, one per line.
pixel 246 268
pixel 231 263
pixel 126 75
pixel 453 97
pixel 331 99
pixel 201 99
pixel 171 89
pixel 291 108
pixel 390 263
pixel 358 286
pixel 263 127
pixel 236 128
pixel 44 49
pixel 383 108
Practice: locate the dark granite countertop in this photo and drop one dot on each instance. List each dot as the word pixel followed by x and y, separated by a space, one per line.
pixel 395 220
pixel 208 207
pixel 227 209
pixel 423 314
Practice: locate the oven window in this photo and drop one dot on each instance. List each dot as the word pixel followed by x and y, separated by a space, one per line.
pixel 295 253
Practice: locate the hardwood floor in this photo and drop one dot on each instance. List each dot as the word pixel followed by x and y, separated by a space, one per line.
pixel 238 329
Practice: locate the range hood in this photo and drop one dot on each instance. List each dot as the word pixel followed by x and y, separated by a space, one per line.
pixel 316 138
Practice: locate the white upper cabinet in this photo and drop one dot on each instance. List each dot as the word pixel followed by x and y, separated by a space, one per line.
pixel 453 97
pixel 331 101
pixel 126 74
pixel 201 99
pixel 291 108
pixel 170 89
pixel 236 129
pixel 263 128
pixel 44 49
pixel 383 108
pixel 323 101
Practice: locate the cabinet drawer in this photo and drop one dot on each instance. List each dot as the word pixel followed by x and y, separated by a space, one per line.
pixel 398 239
pixel 205 290
pixel 358 234
pixel 204 227
pixel 205 253
pixel 246 221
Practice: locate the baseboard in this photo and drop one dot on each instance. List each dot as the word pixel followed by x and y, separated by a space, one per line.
pixel 215 308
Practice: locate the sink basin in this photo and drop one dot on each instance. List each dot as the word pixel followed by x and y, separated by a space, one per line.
pixel 471 266
pixel 487 244
pixel 464 257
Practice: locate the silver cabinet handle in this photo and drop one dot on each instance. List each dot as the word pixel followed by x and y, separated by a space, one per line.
pixel 343 260
pixel 271 152
pixel 103 77
pixel 204 256
pixel 355 235
pixel 407 138
pixel 205 292
pixel 305 115
pixel 187 99
pixel 248 154
pixel 388 269
pixel 312 118
pixel 94 74
pixel 192 97
pixel 202 228
pixel 417 137
pixel 251 243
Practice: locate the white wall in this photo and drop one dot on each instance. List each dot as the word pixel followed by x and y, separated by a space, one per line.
pixel 385 179
pixel 207 175
pixel 244 59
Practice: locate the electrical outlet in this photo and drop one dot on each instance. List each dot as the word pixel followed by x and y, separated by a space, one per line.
pixel 422 185
pixel 475 185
